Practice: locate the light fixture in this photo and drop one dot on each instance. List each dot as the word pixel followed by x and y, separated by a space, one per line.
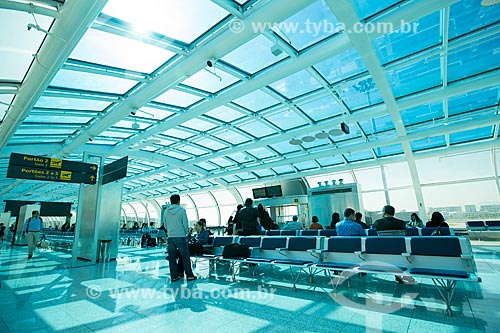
pixel 276 50
pixel 135 125
pixel 211 64
pixel 295 142
pixel 308 138
pixel 321 135
pixel 335 132
pixel 344 129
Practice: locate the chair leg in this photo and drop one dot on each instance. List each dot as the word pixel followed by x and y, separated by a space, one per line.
pixel 447 293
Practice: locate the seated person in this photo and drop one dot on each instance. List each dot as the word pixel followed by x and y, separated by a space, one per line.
pixel 335 220
pixel 388 222
pixel 437 220
pixel 294 224
pixel 349 227
pixel 315 225
pixel 146 235
pixel 415 221
pixel 200 238
pixel 358 220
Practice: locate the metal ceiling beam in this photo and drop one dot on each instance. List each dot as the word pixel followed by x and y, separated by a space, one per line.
pixel 32 8
pixel 65 34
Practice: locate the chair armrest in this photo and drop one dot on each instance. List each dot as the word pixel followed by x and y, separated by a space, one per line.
pixel 281 249
pixel 359 252
pixel 406 254
pixel 466 256
pixel 252 248
pixel 316 251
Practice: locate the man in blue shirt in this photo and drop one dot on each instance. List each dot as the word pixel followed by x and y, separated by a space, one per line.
pixel 349 227
pixel 32 226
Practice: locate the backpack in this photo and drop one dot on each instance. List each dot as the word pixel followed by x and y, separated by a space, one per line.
pixel 236 250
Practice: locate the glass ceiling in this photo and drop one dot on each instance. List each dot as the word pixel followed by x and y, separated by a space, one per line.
pixel 115 78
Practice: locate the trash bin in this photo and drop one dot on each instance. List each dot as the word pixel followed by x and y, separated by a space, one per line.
pixel 104 248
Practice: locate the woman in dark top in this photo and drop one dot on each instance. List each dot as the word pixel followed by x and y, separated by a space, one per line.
pixel 265 220
pixel 437 220
pixel 335 220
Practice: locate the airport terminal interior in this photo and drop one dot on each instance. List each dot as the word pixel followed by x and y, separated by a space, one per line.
pixel 308 107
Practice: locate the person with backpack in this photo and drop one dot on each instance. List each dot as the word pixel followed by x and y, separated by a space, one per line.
pixel 32 226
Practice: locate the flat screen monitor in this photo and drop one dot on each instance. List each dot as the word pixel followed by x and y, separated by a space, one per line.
pixel 274 191
pixel 259 193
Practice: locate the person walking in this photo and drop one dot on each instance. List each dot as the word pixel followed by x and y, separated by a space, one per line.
pixel 176 223
pixel 32 226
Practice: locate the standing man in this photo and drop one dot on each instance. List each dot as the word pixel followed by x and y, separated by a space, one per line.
pixel 33 225
pixel 176 223
pixel 248 217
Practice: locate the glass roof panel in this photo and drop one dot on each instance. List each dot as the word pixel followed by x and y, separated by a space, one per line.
pixel 478 57
pixel 309 26
pixel 367 8
pixel 257 129
pixel 377 125
pixel 284 147
pixel 225 114
pixel 205 80
pixel 361 94
pixel 118 51
pixel 93 82
pixel 330 160
pixel 70 103
pixel 230 179
pixel 286 119
pixel 130 124
pixel 473 100
pixel 261 152
pixel 198 124
pixel 359 156
pixel 176 154
pixel 245 176
pixel 415 77
pixel 222 162
pixel 59 119
pixel 206 166
pixel 283 169
pixel 179 134
pixel 422 34
pixel 149 112
pixel 178 98
pixel 296 84
pixel 239 157
pixel 308 165
pixel 264 173
pixel 428 143
pixel 192 150
pixel 5 100
pixel 27 130
pixel 471 135
pixel 182 20
pixel 469 15
pixel 115 135
pixel 389 150
pixel 260 49
pixel 211 144
pixel 256 100
pixel 341 66
pixel 18 44
pixel 323 108
pixel 232 137
pixel 422 113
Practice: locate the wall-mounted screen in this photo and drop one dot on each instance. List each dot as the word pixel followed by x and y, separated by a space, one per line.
pixel 259 193
pixel 274 191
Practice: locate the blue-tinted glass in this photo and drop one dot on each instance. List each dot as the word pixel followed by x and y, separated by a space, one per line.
pixel 286 120
pixel 177 98
pixel 211 144
pixel 232 137
pixel 230 179
pixel 239 157
pixel 427 143
pixel 330 160
pixel 245 176
pixel 173 132
pixel 341 66
pixel 264 173
pixel 253 55
pixel 260 152
pixel 59 119
pixel 305 165
pixel 198 124
pixel 469 15
pixel 284 147
pixel 315 143
pixel 222 162
pixel 366 8
pixel 389 150
pixel 421 34
pixel 205 80
pixel 206 166
pixel 283 169
pixel 309 26
pixel 176 155
pixel 257 129
pixel 70 103
pixel 322 108
pixel 363 93
pixel 192 150
pixel 473 100
pixel 225 114
pixel 256 100
pixel 422 113
pixel 359 156
pixel 471 135
pixel 297 84
pixel 91 82
pixel 416 77
pixel 481 56
pixel 376 125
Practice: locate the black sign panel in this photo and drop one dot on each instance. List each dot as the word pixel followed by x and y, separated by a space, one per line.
pixel 25 172
pixel 115 170
pixel 51 163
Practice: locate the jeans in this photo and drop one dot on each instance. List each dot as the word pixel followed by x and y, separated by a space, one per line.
pixel 181 244
pixel 32 242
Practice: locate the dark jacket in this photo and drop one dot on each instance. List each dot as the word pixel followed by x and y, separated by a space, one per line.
pixel 390 223
pixel 435 224
pixel 247 216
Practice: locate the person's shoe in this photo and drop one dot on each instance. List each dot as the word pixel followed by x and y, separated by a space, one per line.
pixel 29 257
pixel 175 279
pixel 399 279
pixel 192 278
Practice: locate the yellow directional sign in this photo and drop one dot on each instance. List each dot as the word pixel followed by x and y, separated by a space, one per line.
pixel 51 163
pixel 25 172
pixel 55 163
pixel 66 175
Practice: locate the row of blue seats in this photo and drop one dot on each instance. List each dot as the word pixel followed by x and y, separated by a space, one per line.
pixel 369 232
pixel 483 225
pixel 445 259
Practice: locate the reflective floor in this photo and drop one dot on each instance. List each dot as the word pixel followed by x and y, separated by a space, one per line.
pixel 134 294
